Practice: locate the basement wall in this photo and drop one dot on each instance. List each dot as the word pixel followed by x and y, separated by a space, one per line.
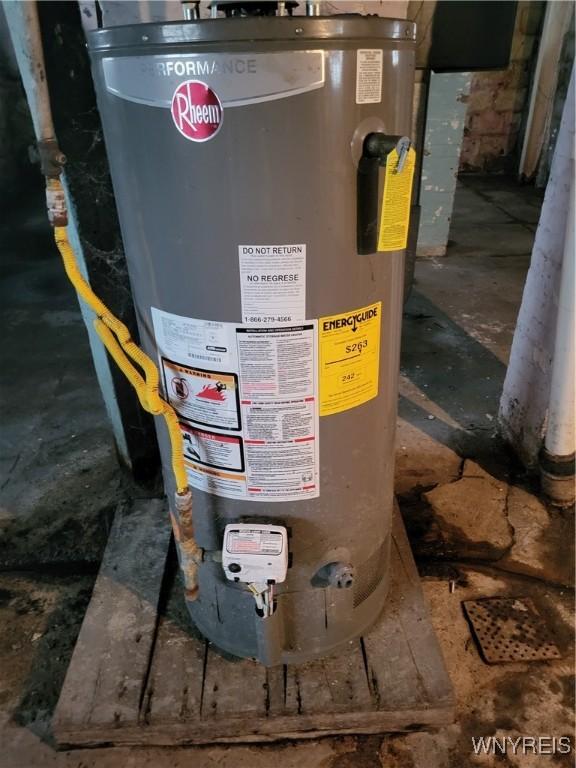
pixel 498 101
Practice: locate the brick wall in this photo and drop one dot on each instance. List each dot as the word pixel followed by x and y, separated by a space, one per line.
pixel 498 100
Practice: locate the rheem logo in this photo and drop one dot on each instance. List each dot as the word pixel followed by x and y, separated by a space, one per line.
pixel 196 111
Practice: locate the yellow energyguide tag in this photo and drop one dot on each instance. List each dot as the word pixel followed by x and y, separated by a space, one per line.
pixel 396 200
pixel 349 358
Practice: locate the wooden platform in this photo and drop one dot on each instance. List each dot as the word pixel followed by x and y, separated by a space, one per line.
pixel 141 675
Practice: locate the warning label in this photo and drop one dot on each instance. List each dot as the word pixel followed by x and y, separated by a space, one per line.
pixel 273 283
pixel 282 471
pixel 278 420
pixel 369 76
pixel 201 396
pixel 231 485
pixel 249 421
pixel 213 449
pixel 396 202
pixel 349 358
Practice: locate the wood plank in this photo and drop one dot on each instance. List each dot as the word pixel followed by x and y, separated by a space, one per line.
pixel 104 682
pixel 336 683
pixel 417 625
pixel 404 658
pixel 233 687
pixel 393 679
pixel 246 730
pixel 391 667
pixel 174 686
pixel 276 678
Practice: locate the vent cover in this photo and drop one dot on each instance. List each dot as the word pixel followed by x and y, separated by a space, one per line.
pixel 368 576
pixel 510 629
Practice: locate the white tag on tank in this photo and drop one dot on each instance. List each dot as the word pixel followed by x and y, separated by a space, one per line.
pixel 273 283
pixel 369 76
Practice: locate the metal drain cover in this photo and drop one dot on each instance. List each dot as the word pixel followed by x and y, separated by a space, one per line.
pixel 510 629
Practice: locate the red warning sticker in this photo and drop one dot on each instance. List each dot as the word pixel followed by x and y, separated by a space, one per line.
pixel 197 111
pixel 212 448
pixel 206 397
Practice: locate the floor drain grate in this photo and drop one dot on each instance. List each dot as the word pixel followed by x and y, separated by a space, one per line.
pixel 510 629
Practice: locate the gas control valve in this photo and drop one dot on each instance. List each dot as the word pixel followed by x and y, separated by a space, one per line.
pixel 255 553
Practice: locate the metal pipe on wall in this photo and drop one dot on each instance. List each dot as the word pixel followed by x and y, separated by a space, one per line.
pixel 525 401
pixel 24 28
pixel 25 33
pixel 560 433
pixel 557 460
pixel 556 22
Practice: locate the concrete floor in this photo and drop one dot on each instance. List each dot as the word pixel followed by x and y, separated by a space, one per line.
pixel 477 527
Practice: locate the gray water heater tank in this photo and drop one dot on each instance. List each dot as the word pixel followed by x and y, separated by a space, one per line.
pixel 263 187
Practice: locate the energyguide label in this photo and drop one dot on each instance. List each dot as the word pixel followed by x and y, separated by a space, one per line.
pixel 349 358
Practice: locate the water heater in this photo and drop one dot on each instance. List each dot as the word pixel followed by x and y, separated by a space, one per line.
pixel 262 169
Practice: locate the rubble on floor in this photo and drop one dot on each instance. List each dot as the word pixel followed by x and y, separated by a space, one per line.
pixel 471 514
pixel 480 517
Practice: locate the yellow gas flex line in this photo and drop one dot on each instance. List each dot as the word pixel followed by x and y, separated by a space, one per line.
pixel 108 327
pixel 116 338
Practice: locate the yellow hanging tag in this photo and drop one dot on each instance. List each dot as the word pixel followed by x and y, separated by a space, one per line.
pixel 396 201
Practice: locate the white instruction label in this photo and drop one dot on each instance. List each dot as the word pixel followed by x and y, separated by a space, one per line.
pixel 369 76
pixel 254 542
pixel 249 413
pixel 279 401
pixel 202 342
pixel 273 283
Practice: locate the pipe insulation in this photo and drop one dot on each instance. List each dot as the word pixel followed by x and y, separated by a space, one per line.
pixel 560 434
pixel 525 403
